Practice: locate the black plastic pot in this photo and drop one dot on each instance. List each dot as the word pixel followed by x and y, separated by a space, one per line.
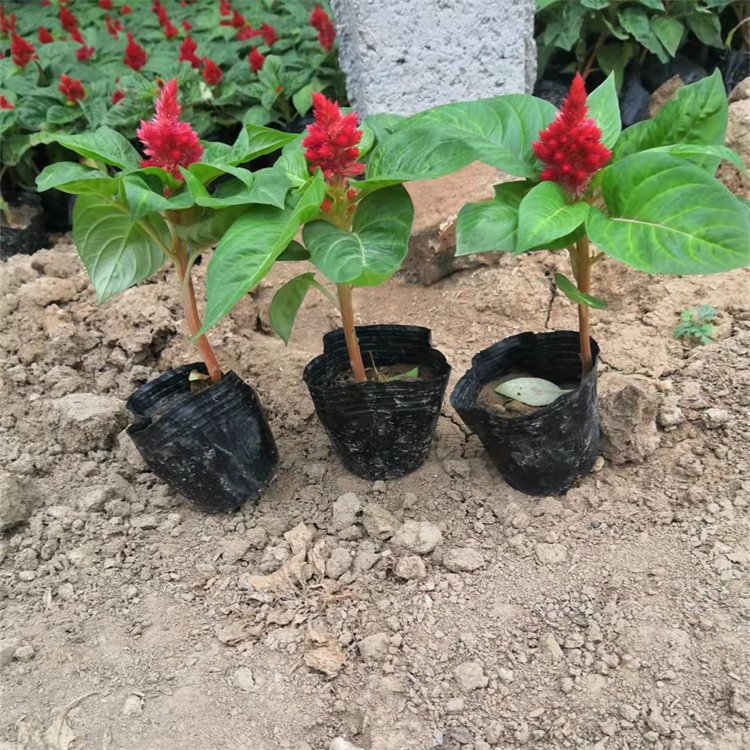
pixel 544 452
pixel 380 430
pixel 26 239
pixel 213 447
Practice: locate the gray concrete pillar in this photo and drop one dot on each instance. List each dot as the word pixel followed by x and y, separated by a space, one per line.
pixel 402 56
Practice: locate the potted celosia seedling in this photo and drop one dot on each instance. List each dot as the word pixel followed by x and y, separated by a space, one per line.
pixel 201 430
pixel 377 389
pixel 646 196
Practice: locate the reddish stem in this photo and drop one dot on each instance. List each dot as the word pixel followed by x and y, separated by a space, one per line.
pixel 350 333
pixel 192 318
pixel 582 273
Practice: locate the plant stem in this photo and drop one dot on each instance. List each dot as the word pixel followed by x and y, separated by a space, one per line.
pixel 350 334
pixel 581 262
pixel 190 308
pixel 590 62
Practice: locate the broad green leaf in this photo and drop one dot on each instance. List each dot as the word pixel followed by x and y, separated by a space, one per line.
pixel 497 131
pixel 302 99
pixel 546 215
pixel 595 4
pixel 409 375
pixel 697 114
pixel 294 252
pixel 71 177
pixel 491 225
pixel 696 152
pixel 571 22
pixel 117 250
pixel 707 27
pixel 142 200
pixel 287 301
pixel 652 4
pixel 574 294
pixel 208 227
pixel 669 31
pixel 375 128
pixel 667 216
pixel 604 108
pixel 614 58
pixel 103 145
pixel 636 22
pixel 375 248
pixel 256 140
pixel 531 391
pixel 249 248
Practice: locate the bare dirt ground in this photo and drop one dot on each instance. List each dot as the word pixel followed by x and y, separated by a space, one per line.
pixel 444 610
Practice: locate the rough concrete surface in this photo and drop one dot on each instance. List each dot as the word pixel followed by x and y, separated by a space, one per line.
pixel 403 56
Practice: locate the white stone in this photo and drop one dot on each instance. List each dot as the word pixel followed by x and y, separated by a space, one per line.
pixel 420 537
pixel 463 559
pixel 470 676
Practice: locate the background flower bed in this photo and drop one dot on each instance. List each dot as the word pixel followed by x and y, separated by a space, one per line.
pixel 236 62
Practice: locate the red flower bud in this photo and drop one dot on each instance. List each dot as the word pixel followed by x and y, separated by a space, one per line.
pixel 169 143
pixel 332 141
pixel 187 52
pixel 225 8
pixel 105 4
pixel 44 36
pixel 21 51
pixel 247 33
pixel 187 25
pixel 85 53
pixel 117 96
pixel 68 21
pixel 125 10
pixel 5 104
pixel 170 30
pixel 570 146
pixel 256 59
pixel 71 88
pixel 269 34
pixel 135 56
pixel 322 23
pixel 211 72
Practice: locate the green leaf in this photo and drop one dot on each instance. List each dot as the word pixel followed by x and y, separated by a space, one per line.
pixel 652 4
pixel 614 58
pixel 574 294
pixel 497 131
pixel 142 200
pixel 209 227
pixel 409 375
pixel 697 114
pixel 104 145
pixel 251 245
pixel 491 225
pixel 256 140
pixel 696 152
pixel 669 31
pixel 635 21
pixel 707 27
pixel 287 301
pixel 545 215
pixel 117 250
pixel 375 248
pixel 302 99
pixel 670 217
pixel 595 4
pixel 70 177
pixel 604 108
pixel 531 391
pixel 294 252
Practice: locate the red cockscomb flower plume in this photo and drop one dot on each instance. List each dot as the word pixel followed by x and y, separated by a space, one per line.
pixel 117 96
pixel 68 21
pixel 125 10
pixel 211 72
pixel 225 8
pixel 269 34
pixel 84 53
pixel 21 51
pixel 113 25
pixel 256 59
pixel 169 143
pixel 187 25
pixel 71 88
pixel 44 36
pixel 322 23
pixel 570 146
pixel 105 4
pixel 247 33
pixel 332 140
pixel 5 104
pixel 7 23
pixel 187 52
pixel 135 56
